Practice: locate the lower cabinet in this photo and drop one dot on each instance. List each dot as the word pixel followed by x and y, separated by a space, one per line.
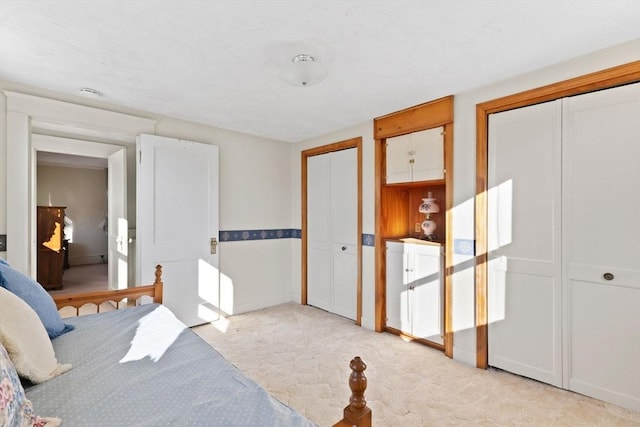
pixel 414 289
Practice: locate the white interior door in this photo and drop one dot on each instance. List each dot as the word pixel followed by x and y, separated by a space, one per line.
pixel 118 226
pixel 601 153
pixel 344 231
pixel 524 271
pixel 177 216
pixel 319 231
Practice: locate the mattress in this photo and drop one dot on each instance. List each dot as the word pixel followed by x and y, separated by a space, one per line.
pixel 142 367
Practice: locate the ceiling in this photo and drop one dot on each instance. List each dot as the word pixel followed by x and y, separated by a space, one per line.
pixel 216 62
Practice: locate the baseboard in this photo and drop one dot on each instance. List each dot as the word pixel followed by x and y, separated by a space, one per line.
pixel 260 304
pixel 87 259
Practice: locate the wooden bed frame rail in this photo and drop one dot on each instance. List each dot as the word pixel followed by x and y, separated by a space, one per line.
pixel 356 414
pixel 78 300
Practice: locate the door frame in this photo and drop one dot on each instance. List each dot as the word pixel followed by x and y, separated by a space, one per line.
pixel 604 79
pixel 28 115
pixel 337 146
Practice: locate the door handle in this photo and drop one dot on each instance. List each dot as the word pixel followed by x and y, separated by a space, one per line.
pixel 214 245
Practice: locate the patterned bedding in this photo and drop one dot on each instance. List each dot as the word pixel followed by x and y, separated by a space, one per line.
pixel 142 367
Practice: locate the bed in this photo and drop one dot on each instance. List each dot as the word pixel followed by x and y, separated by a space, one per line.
pixel 140 366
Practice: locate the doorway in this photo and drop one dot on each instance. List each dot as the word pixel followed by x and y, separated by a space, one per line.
pixel 78 185
pixel 109 221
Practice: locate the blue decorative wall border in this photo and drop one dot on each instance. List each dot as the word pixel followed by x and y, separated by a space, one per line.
pixel 277 233
pixel 368 239
pixel 460 246
pixel 464 247
pixel 239 235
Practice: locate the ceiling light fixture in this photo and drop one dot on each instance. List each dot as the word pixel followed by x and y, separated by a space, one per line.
pixel 91 93
pixel 303 71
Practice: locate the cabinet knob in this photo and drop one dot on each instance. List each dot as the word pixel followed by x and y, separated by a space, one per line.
pixel 608 276
pixel 344 248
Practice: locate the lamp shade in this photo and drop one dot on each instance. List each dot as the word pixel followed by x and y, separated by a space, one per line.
pixel 429 205
pixel 303 71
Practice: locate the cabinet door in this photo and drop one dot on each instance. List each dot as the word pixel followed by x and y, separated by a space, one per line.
pixel 426 294
pixel 397 295
pixel 398 159
pixel 428 155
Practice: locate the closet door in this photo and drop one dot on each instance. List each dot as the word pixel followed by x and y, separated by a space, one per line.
pixel 344 228
pixel 524 271
pixel 332 227
pixel 601 152
pixel 319 231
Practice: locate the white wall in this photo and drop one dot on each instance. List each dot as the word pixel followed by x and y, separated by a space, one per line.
pixel 255 193
pixel 84 194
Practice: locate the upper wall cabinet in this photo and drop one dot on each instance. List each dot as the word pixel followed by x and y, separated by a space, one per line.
pixel 417 156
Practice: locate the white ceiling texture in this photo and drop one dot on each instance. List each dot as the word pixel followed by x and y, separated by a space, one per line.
pixel 216 62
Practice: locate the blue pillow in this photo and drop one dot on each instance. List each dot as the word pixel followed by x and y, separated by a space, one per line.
pixel 3 261
pixel 36 296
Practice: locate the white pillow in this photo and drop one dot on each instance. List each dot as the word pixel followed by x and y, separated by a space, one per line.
pixel 26 340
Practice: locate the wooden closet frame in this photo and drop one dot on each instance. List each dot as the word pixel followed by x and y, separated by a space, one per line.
pixel 604 79
pixel 429 115
pixel 337 146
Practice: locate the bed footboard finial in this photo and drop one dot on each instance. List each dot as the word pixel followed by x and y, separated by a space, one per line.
pixel 159 286
pixel 357 413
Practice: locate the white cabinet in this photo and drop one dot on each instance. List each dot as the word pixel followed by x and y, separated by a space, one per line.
pixel 414 289
pixel 417 156
pixel 332 232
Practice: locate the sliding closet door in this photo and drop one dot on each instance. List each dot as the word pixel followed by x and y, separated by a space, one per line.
pixel 524 271
pixel 601 152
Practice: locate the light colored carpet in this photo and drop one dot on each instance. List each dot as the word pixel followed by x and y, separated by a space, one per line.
pixel 300 354
pixel 84 278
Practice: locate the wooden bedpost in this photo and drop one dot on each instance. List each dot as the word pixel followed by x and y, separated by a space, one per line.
pixel 357 413
pixel 157 297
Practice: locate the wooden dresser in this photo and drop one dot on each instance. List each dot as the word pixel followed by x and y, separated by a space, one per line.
pixel 50 246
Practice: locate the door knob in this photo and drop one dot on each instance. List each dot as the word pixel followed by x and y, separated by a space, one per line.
pixel 608 276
